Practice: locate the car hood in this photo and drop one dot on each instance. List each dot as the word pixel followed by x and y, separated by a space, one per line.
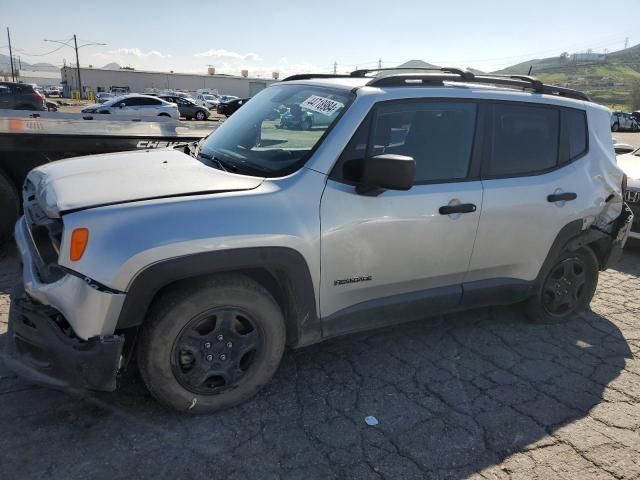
pixel 93 105
pixel 99 180
pixel 630 165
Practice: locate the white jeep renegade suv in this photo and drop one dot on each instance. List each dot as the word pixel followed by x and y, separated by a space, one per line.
pixel 421 193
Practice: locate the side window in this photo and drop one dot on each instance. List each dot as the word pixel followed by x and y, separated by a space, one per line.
pixel 438 135
pixel 4 90
pixel 132 102
pixel 147 102
pixel 575 125
pixel 525 140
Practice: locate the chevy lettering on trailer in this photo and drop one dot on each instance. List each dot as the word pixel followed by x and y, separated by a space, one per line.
pixel 144 144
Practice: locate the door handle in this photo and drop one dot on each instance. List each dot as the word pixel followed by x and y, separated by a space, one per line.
pixel 462 208
pixel 562 197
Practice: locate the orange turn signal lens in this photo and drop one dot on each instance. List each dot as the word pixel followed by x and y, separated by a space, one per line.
pixel 79 241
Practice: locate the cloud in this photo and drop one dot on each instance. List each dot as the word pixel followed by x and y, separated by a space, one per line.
pixel 132 52
pixel 226 54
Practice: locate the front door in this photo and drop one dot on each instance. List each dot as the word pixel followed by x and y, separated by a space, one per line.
pixel 401 248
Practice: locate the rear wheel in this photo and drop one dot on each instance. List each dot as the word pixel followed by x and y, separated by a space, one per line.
pixel 9 207
pixel 211 345
pixel 615 127
pixel 200 115
pixel 567 289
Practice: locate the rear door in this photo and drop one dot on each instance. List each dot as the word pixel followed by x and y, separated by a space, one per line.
pixel 529 188
pixel 401 247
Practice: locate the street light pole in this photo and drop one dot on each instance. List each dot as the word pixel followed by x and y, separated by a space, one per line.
pixel 13 75
pixel 75 42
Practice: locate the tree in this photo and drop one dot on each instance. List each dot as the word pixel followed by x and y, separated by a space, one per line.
pixel 635 95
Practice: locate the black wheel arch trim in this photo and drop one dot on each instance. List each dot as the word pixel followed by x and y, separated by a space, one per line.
pixel 293 289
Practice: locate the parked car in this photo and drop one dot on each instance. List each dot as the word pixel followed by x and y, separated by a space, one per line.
pixel 230 107
pixel 53 91
pixel 630 164
pixel 136 105
pixel 187 107
pixel 102 97
pixel 205 262
pixel 21 96
pixel 207 100
pixel 623 121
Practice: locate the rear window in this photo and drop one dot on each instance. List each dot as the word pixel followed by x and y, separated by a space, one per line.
pixel 525 140
pixel 575 122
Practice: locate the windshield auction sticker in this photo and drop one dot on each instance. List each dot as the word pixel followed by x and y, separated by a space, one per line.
pixel 323 105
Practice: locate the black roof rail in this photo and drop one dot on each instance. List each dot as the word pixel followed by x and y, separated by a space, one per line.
pixel 457 71
pixel 309 76
pixel 436 76
pixel 519 81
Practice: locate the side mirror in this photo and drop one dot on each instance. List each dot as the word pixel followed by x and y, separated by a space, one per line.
pixel 386 172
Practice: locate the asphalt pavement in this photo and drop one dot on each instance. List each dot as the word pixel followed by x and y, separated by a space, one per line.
pixel 479 394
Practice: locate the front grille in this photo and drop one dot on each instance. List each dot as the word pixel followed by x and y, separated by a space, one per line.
pixel 45 235
pixel 635 208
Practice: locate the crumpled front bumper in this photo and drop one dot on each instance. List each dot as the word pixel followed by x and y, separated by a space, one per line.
pixel 43 349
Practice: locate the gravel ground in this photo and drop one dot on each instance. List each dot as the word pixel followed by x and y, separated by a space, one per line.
pixel 480 394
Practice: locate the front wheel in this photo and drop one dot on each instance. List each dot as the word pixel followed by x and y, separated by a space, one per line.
pixel 211 345
pixel 615 127
pixel 567 289
pixel 200 115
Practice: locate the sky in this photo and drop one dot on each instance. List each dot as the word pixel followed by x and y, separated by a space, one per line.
pixel 297 36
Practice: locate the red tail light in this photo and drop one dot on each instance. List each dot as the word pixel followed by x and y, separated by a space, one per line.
pixel 38 94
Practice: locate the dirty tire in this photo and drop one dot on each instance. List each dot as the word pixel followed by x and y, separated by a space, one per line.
pixel 575 276
pixel 175 313
pixel 9 207
pixel 200 115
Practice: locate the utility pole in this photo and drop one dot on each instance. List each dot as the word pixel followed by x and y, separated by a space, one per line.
pixel 13 75
pixel 626 42
pixel 75 47
pixel 379 63
pixel 75 42
pixel 335 68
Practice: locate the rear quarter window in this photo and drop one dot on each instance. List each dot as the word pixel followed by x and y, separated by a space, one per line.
pixel 575 125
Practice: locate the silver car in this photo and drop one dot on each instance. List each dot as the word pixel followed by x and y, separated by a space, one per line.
pixel 418 195
pixel 136 106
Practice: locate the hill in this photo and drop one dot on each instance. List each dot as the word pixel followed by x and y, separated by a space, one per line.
pixel 606 78
pixel 5 65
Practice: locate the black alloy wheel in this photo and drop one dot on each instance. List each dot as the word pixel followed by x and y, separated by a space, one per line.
pixel 215 350
pixel 565 287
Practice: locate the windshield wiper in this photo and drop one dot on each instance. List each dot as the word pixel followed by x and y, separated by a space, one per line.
pixel 221 164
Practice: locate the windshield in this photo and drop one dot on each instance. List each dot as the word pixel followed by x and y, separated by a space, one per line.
pixel 209 97
pixel 275 132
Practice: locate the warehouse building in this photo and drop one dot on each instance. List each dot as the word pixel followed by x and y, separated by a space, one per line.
pixel 138 81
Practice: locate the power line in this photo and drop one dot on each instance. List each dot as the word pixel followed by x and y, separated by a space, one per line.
pixel 43 54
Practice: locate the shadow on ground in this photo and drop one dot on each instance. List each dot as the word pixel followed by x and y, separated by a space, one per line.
pixel 452 395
